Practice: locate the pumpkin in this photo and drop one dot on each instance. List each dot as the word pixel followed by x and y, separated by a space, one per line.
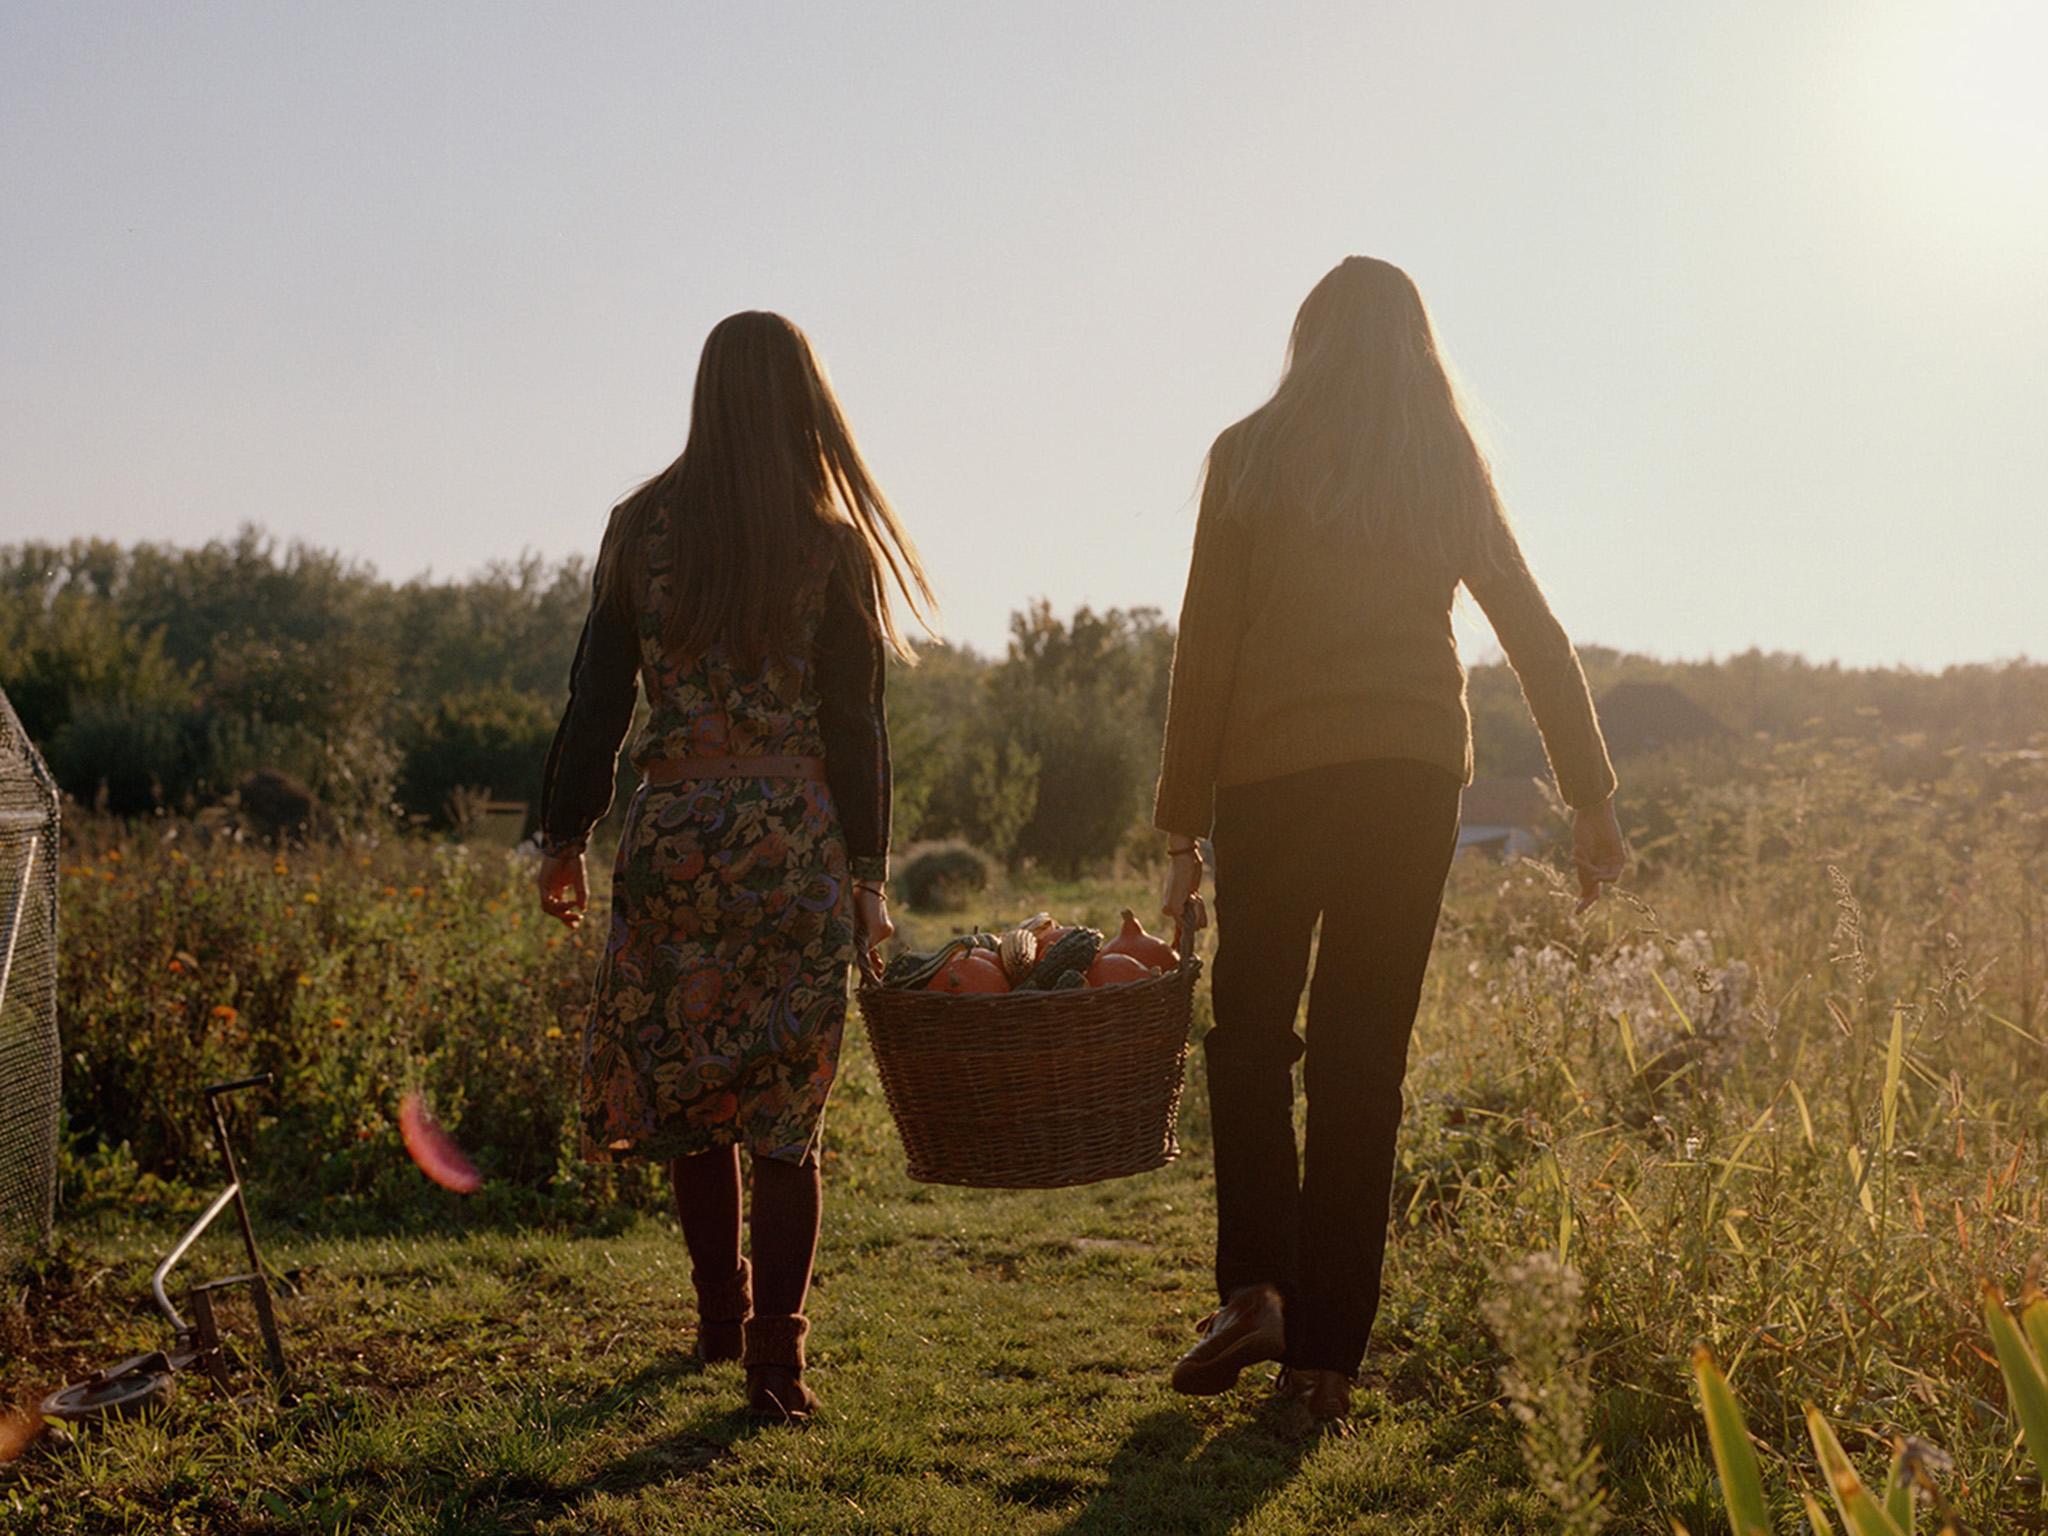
pixel 1150 951
pixel 972 970
pixel 1112 969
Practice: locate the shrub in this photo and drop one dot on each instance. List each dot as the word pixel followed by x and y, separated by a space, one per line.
pixel 941 879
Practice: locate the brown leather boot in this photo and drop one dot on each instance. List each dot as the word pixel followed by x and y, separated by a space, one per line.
pixel 1247 1329
pixel 723 1306
pixel 1326 1395
pixel 776 1392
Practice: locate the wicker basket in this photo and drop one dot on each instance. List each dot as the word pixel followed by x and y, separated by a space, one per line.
pixel 1034 1090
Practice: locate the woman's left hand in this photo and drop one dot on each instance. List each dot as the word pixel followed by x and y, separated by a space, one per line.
pixel 564 886
pixel 1183 883
pixel 1599 850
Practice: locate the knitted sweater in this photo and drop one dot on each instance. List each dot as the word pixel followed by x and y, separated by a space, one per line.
pixel 1300 647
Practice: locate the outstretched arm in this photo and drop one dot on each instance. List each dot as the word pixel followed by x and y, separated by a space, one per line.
pixel 1555 686
pixel 582 762
pixel 1548 668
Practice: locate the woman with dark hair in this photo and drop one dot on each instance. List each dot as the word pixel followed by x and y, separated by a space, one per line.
pixel 1317 733
pixel 744 589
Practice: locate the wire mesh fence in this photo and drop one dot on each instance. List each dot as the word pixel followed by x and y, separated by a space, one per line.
pixel 29 1090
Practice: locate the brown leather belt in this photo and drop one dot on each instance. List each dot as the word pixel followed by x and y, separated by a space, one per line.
pixel 680 770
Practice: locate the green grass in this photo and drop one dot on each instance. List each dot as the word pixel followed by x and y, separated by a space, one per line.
pixel 990 1362
pixel 1786 1102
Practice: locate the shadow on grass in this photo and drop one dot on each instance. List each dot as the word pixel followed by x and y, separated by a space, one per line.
pixel 518 1495
pixel 1167 1477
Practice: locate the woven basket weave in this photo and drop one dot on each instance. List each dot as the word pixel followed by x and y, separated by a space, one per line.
pixel 1034 1090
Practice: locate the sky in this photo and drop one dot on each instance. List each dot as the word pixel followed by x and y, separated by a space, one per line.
pixel 1749 297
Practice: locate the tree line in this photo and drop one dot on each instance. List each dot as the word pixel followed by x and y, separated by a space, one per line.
pixel 158 678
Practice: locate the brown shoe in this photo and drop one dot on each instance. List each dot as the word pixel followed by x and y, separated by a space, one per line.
pixel 1326 1394
pixel 776 1392
pixel 1249 1328
pixel 777 1395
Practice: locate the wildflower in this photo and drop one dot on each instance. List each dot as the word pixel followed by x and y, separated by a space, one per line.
pixel 1533 1311
pixel 225 1013
pixel 311 898
pixel 278 868
pixel 417 891
pixel 113 855
pixel 305 981
pixel 554 1032
pixel 337 1023
pixel 176 967
pixel 390 890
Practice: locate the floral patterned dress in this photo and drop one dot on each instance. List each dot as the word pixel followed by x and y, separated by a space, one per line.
pixel 721 995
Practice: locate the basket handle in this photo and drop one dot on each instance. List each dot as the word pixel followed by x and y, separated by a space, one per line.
pixel 1194 917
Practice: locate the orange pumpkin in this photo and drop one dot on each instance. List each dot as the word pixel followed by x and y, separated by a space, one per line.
pixel 971 971
pixel 1111 970
pixel 1148 950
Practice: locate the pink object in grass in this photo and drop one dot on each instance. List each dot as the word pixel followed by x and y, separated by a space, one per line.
pixel 439 1158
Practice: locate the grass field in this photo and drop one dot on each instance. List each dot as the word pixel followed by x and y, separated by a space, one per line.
pixel 1787 1101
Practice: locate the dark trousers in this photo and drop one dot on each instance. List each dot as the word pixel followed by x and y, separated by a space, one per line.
pixel 1364 847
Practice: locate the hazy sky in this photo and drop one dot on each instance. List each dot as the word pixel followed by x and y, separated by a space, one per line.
pixel 1754 295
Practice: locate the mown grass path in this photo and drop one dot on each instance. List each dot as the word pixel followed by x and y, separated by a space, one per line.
pixel 990 1363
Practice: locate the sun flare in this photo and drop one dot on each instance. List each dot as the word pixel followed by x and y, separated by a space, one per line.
pixel 1952 118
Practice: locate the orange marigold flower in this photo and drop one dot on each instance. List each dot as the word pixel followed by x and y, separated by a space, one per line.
pixel 338 1023
pixel 311 898
pixel 417 891
pixel 225 1013
pixel 176 967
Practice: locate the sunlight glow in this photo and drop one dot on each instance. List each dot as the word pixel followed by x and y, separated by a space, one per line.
pixel 1951 113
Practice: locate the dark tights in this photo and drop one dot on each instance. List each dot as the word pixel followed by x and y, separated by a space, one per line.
pixel 787 1198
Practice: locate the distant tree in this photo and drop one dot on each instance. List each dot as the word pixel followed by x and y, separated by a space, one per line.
pixel 494 739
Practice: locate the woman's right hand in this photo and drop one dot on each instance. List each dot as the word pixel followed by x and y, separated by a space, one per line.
pixel 871 925
pixel 1599 851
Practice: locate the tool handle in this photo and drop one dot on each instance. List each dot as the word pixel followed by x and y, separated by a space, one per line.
pixel 215 1089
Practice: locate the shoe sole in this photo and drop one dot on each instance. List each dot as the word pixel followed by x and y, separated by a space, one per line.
pixel 1206 1378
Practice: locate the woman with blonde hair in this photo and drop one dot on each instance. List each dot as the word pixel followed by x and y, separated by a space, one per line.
pixel 1317 734
pixel 744 590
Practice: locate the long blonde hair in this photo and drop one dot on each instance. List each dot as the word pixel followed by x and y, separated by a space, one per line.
pixel 770 467
pixel 1364 429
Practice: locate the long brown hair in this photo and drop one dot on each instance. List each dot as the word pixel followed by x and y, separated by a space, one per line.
pixel 769 468
pixel 1364 428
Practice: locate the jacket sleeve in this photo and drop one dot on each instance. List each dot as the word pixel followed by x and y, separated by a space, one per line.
pixel 850 667
pixel 582 763
pixel 1548 669
pixel 1205 652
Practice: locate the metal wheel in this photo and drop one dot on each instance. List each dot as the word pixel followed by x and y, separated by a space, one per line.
pixel 115 1392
